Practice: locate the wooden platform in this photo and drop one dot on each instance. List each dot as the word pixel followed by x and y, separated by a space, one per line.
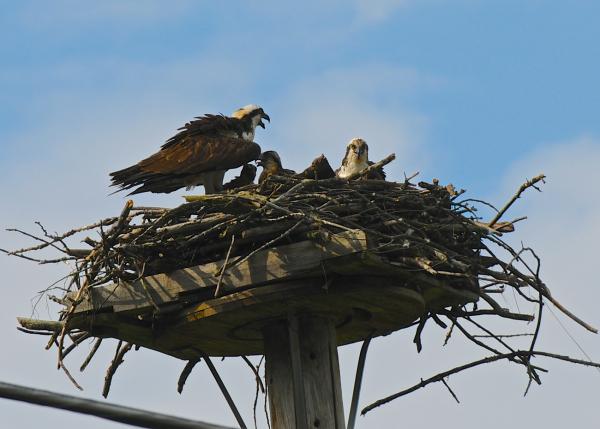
pixel 334 277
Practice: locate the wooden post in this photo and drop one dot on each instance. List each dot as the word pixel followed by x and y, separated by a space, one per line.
pixel 303 374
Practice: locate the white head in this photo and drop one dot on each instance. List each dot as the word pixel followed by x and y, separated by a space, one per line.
pixel 253 113
pixel 357 152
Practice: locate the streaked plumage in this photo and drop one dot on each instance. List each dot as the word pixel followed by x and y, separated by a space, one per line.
pixel 270 161
pixel 246 177
pixel 199 154
pixel 356 159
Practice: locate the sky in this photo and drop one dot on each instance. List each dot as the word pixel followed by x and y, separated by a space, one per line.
pixel 479 93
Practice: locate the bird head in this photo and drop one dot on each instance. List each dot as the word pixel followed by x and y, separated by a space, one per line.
pixel 270 160
pixel 248 170
pixel 253 113
pixel 357 150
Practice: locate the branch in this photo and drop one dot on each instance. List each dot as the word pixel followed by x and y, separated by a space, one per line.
pixel 118 360
pixel 524 186
pixel 370 168
pixel 187 370
pixel 490 359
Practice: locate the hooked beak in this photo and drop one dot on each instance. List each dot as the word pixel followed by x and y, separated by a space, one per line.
pixel 266 117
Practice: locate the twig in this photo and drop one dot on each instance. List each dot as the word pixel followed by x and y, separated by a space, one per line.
pixel 91 354
pixel 224 391
pixel 451 391
pixel 490 359
pixel 187 370
pixel 522 188
pixel 112 368
pixel 224 268
pixel 360 367
pixel 370 168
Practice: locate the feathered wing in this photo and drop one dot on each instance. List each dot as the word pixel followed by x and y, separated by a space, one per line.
pixel 377 174
pixel 181 160
pixel 207 126
pixel 319 169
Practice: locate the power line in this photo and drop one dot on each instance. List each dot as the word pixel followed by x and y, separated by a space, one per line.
pixel 117 413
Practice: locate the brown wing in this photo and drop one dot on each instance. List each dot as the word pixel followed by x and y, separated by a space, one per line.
pixel 208 126
pixel 168 169
pixel 319 169
pixel 201 154
pixel 377 174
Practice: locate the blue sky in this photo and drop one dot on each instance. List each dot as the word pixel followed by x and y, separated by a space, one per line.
pixel 478 93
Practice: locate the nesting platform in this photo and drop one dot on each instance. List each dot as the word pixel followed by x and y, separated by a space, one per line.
pixel 362 293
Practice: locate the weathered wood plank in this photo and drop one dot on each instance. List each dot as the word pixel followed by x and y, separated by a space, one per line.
pixel 274 264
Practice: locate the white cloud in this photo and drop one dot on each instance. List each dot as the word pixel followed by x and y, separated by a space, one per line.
pixel 372 11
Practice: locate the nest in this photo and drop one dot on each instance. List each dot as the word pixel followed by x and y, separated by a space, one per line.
pixel 426 229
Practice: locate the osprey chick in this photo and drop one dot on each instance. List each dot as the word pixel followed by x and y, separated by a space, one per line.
pixel 271 164
pixel 246 177
pixel 356 159
pixel 199 154
pixel 319 169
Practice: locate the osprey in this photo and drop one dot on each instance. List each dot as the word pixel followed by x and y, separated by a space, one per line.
pixel 356 160
pixel 199 154
pixel 319 169
pixel 271 164
pixel 246 177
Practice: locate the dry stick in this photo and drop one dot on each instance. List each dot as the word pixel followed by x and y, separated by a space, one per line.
pixel 30 331
pixel 75 343
pixel 91 354
pixel 224 267
pixel 268 244
pixel 118 360
pixel 256 373
pixel 532 369
pixel 69 376
pixel 187 370
pixel 547 295
pixel 39 261
pixel 370 168
pixel 502 336
pixel 502 311
pixel 417 338
pixel 67 234
pixel 224 390
pixel 259 385
pixel 489 359
pixel 104 410
pixel 117 228
pixel 40 325
pixel 45 243
pixel 360 367
pixel 267 418
pixel 451 391
pixel 524 186
pixel 571 315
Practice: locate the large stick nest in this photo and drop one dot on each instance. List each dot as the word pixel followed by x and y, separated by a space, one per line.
pixel 423 228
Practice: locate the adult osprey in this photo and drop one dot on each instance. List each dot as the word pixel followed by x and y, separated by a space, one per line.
pixel 356 159
pixel 199 154
pixel 270 161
